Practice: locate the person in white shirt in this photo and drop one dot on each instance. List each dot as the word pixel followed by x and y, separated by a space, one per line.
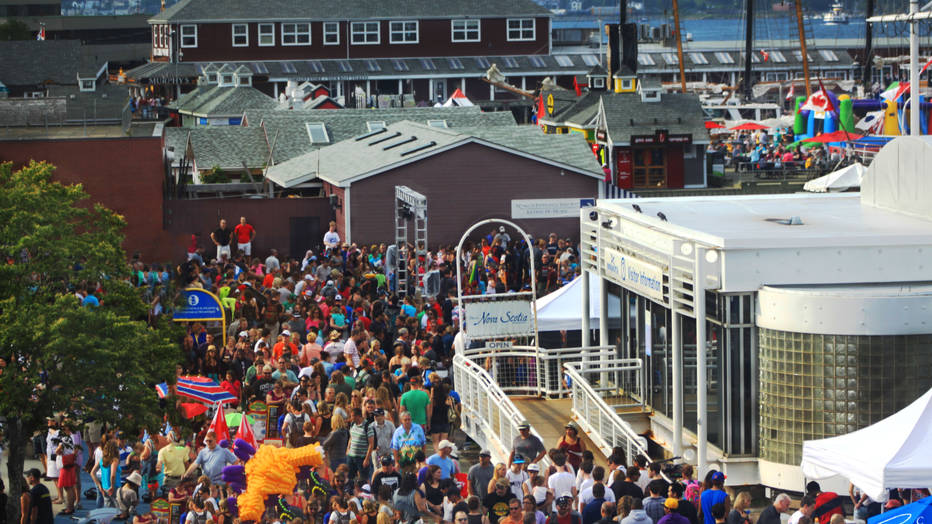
pixel 806 508
pixel 585 495
pixel 516 477
pixel 331 237
pixel 562 483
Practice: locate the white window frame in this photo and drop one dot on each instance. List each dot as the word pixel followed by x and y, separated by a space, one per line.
pixel 364 29
pixel 403 32
pixel 331 29
pixel 465 29
pixel 293 32
pixel 191 29
pixel 234 28
pixel 517 34
pixel 227 80
pixel 266 31
pixel 83 85
pixel 598 82
pixel 322 127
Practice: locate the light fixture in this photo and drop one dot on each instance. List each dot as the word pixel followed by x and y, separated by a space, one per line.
pixel 593 215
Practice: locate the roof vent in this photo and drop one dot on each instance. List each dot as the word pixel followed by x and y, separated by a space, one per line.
pixel 792 221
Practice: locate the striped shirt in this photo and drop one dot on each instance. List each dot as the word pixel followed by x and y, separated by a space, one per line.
pixel 359 439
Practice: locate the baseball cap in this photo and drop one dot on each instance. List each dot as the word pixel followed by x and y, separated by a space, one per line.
pixel 330 282
pixel 338 297
pixel 564 499
pixel 533 467
pixel 571 425
pixel 519 459
pixel 485 453
pixel 445 444
pixel 718 475
pixel 286 332
pixel 501 229
pixel 524 425
pixel 379 412
pixel 501 483
pixel 243 334
pixel 386 460
pixel 671 503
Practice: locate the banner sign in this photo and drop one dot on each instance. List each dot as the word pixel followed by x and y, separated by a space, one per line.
pixel 549 207
pixel 638 276
pixel 501 318
pixel 199 305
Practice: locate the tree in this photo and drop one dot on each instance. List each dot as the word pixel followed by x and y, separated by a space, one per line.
pixel 55 354
pixel 15 30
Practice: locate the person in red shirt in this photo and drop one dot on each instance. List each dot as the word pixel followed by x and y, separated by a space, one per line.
pixel 826 503
pixel 244 235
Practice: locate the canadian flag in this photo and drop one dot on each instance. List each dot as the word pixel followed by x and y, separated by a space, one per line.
pixel 819 101
pixel 219 425
pixel 791 92
pixel 245 432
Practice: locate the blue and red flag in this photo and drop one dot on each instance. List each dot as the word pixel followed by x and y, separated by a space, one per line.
pixel 203 389
pixel 162 390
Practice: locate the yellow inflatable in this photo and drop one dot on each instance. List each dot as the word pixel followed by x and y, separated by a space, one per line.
pixel 273 471
pixel 891 124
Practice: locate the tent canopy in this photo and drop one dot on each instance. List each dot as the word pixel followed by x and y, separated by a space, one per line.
pixel 893 453
pixel 836 181
pixel 560 310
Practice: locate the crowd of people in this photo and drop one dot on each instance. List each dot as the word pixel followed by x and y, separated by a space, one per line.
pixel 766 150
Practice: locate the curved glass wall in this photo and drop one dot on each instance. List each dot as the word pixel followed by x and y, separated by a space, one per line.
pixel 817 386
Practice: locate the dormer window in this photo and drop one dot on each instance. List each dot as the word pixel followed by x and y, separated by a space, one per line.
pixel 226 79
pixel 87 85
pixel 211 78
pixel 650 95
pixel 597 82
pixel 243 80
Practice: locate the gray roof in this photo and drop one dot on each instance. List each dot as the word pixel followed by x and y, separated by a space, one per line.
pixel 227 147
pixel 358 158
pixel 288 131
pixel 105 103
pixel 571 109
pixel 217 101
pixel 248 10
pixel 31 62
pixel 624 114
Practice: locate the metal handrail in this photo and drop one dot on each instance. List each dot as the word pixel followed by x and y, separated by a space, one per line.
pixel 600 421
pixel 488 415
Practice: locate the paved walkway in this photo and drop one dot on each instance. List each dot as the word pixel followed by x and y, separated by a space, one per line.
pixel 549 416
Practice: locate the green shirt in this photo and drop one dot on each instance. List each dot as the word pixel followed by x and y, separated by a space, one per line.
pixel 415 402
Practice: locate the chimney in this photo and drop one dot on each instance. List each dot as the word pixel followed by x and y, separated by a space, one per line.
pixel 612 52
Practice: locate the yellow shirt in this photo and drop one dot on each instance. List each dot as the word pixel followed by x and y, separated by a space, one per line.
pixel 172 458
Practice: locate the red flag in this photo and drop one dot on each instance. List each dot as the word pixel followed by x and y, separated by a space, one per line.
pixel 219 425
pixel 829 106
pixel 245 432
pixel 791 92
pixel 765 54
pixel 819 101
pixel 928 63
pixel 576 87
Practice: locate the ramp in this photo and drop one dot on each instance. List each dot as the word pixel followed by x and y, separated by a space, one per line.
pixel 549 416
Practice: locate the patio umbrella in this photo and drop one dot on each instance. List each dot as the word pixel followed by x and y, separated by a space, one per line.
pixel 711 124
pixel 235 419
pixel 835 136
pixel 749 126
pixel 192 409
pixel 801 143
pixel 917 512
pixel 203 389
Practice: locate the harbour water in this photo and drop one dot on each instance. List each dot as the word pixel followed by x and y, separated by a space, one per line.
pixel 782 27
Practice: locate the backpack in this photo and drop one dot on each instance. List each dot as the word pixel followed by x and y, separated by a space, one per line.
pixel 453 416
pixel 296 428
pixel 692 493
pixel 340 518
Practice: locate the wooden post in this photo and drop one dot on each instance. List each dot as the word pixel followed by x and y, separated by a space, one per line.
pixel 802 45
pixel 679 43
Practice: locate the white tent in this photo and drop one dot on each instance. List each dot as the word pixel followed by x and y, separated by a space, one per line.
pixel 893 453
pixel 458 99
pixel 837 181
pixel 561 309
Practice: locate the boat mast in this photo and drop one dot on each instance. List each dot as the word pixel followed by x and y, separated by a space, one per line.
pixel 748 40
pixel 679 43
pixel 868 47
pixel 802 45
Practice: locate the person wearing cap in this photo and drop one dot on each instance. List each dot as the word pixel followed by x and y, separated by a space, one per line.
pixel 38 500
pixel 715 495
pixel 572 444
pixel 386 475
pixel 479 475
pixel 563 512
pixel 671 513
pixel 127 497
pixel 496 503
pixel 528 446
pixel 384 430
pixel 442 460
pixel 283 343
pixel 516 476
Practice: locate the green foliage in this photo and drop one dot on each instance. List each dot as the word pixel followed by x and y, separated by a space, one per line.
pixel 15 30
pixel 63 357
pixel 215 176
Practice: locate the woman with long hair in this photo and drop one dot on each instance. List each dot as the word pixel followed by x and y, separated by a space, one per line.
pixel 433 493
pixel 408 501
pixel 572 444
pixel 497 473
pixel 109 468
pixel 439 417
pixel 335 443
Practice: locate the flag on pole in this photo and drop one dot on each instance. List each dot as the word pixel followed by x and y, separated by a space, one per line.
pixel 162 390
pixel 168 429
pixel 791 92
pixel 245 432
pixel 219 424
pixel 41 34
pixel 819 101
pixel 928 63
pixel 895 90
pixel 765 54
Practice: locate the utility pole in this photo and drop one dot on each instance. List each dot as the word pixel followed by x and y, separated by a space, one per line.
pixel 802 45
pixel 748 41
pixel 868 47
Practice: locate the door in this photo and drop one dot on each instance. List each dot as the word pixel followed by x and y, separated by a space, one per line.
pixel 440 90
pixel 304 234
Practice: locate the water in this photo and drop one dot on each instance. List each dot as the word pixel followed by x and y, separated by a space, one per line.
pixel 775 28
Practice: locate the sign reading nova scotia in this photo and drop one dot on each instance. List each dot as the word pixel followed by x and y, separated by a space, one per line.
pixel 199 305
pixel 501 318
pixel 637 276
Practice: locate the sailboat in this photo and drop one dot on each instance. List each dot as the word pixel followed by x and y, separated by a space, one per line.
pixel 837 15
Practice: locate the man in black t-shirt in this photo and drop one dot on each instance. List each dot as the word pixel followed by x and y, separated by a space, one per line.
pixel 221 238
pixel 386 475
pixel 40 500
pixel 496 502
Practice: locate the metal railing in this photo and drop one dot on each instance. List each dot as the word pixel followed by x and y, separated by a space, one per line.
pixel 488 415
pixel 619 381
pixel 530 370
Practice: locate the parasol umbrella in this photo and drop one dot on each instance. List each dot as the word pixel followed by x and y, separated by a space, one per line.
pixel 801 143
pixel 750 126
pixel 917 512
pixel 235 419
pixel 192 409
pixel 711 124
pixel 835 136
pixel 203 389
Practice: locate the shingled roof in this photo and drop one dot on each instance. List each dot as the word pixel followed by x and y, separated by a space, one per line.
pixel 32 62
pixel 624 114
pixel 287 129
pixel 216 101
pixel 250 10
pixel 571 109
pixel 228 147
pixel 406 142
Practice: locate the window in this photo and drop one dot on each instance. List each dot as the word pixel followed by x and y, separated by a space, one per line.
pixel 399 64
pixel 537 61
pixel 240 35
pixel 670 59
pixel 698 58
pixel 296 34
pixel 315 66
pixel 317 133
pixel 520 29
pixel 778 57
pixel 189 36
pixel 259 68
pixel 243 80
pixel 510 62
pixel 88 85
pixel 437 123
pixel 345 66
pixel 403 32
pixel 226 79
pixel 645 60
pixel 799 56
pixel 331 33
pixel 828 55
pixel 288 67
pixel 464 30
pixel 364 33
pixel 266 35
pixel 589 60
pixel 373 125
pixel 598 82
pixel 565 61
pixel 627 84
pixel 427 64
pixel 373 65
pixel 724 58
pixel 483 62
pixel 455 63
